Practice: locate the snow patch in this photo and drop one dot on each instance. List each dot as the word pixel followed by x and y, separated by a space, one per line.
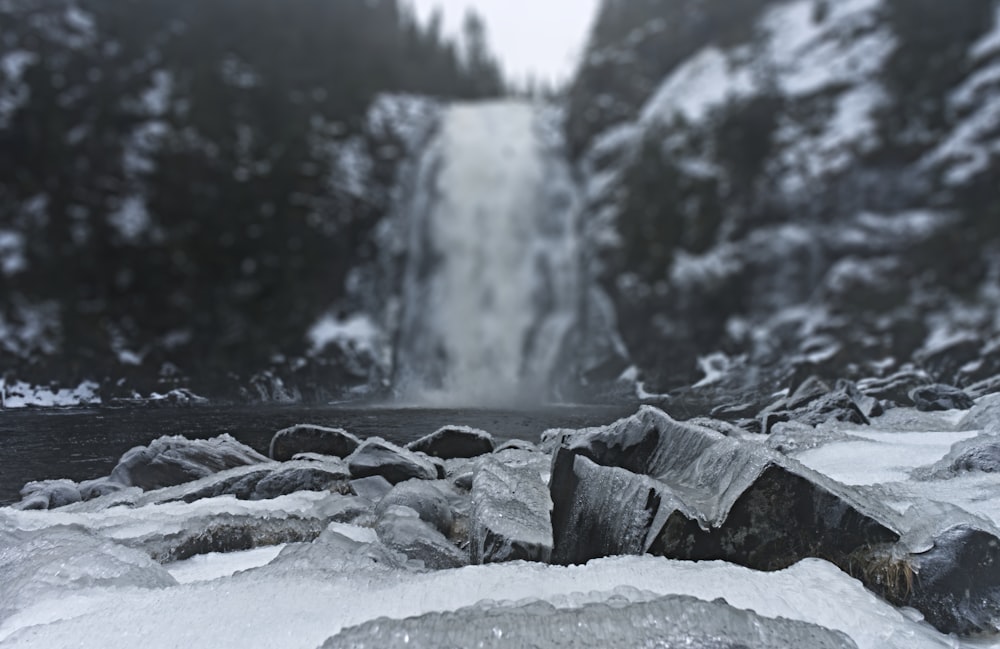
pixel 705 81
pixel 355 332
pixel 22 395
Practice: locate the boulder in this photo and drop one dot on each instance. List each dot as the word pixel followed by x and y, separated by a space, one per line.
pixel 943 359
pixel 896 388
pixel 933 398
pixel 402 530
pixel 511 512
pixel 454 442
pixel 373 488
pixel 272 480
pixel 307 438
pixel 812 406
pixel 170 461
pixel 985 415
pixel 981 454
pixel 424 498
pixel 376 456
pixel 49 494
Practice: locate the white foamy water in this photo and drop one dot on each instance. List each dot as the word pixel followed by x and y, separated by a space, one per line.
pixel 491 282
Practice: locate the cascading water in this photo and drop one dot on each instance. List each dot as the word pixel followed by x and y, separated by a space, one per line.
pixel 491 283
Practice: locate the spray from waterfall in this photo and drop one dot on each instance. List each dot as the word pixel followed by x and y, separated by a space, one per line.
pixel 492 277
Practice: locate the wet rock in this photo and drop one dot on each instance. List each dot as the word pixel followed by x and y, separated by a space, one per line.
pixel 272 481
pixel 944 359
pixel 170 461
pixel 668 622
pixel 402 530
pixel 376 456
pixel 424 498
pixel 511 512
pixel 454 442
pixel 307 438
pixel 934 398
pixel 896 388
pixel 289 480
pixel 955 584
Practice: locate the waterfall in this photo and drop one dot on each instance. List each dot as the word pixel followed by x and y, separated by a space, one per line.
pixel 491 282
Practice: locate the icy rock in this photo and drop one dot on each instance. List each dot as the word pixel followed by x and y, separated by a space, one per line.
pixel 374 488
pixel 376 456
pixel 984 387
pixel 985 415
pixel 715 497
pixel 307 438
pixel 985 366
pixel 511 512
pixel 981 454
pixel 516 444
pixel 841 404
pixel 49 494
pixel 670 622
pixel 424 498
pixel 599 511
pixel 945 358
pixel 454 442
pixel 896 388
pixel 955 584
pixel 38 564
pixel 402 530
pixel 227 533
pixel 939 397
pixel 92 489
pixel 274 480
pixel 174 460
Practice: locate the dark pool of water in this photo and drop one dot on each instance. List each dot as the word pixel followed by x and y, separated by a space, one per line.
pixel 85 444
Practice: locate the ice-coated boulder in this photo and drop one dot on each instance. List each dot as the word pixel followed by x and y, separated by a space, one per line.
pixel 307 438
pixel 374 487
pixel 174 460
pixel 511 511
pixel 705 496
pixel 943 359
pixel 955 583
pixel 270 480
pixel 895 389
pixel 933 398
pixel 376 456
pixel 672 622
pixel 402 530
pixel 454 442
pixel 49 494
pixel 423 497
pixel 981 454
pixel 813 405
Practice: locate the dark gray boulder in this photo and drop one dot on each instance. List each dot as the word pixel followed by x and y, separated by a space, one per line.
pixel 811 405
pixel 307 438
pixel 934 398
pixel 423 497
pixel 170 461
pixel 267 481
pixel 895 389
pixel 376 456
pixel 670 622
pixel 944 359
pixel 454 442
pixel 511 511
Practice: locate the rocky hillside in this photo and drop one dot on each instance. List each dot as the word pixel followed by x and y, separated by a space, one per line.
pixel 186 187
pixel 789 188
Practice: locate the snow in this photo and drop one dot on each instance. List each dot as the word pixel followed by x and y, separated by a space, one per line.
pixel 22 395
pixel 12 259
pixel 156 99
pixel 706 80
pixel 13 93
pixel 357 331
pixel 990 43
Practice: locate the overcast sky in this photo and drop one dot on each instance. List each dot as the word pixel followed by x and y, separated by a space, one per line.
pixel 539 37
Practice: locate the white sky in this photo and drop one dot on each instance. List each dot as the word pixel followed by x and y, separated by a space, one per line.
pixel 543 38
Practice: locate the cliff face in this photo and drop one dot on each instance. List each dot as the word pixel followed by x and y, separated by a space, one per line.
pixel 807 186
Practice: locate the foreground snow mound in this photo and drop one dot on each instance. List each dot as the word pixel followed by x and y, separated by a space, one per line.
pixel 668 623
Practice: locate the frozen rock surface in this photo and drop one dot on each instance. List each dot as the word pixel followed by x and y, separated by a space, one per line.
pixel 378 457
pixel 454 442
pixel 307 438
pixel 511 511
pixel 273 480
pixel 674 622
pixel 402 530
pixel 424 498
pixel 49 494
pixel 980 454
pixel 985 415
pixel 170 461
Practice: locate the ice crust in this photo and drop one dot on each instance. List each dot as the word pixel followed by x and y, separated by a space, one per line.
pixel 669 623
pixel 510 517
